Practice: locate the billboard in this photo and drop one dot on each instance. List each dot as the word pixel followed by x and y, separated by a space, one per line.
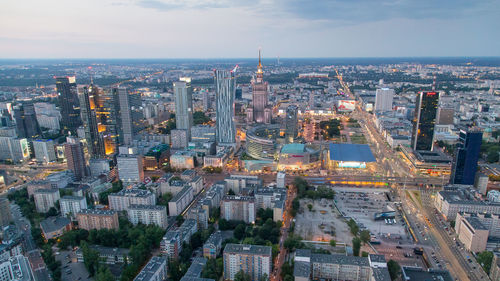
pixel 346 105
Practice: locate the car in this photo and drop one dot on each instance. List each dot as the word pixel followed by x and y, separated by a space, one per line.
pixel 399 247
pixel 469 260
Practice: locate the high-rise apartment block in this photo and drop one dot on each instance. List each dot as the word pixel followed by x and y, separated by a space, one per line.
pixel 383 99
pixel 97 219
pixel 148 214
pixel 238 208
pixel 424 120
pixel 121 200
pixel 71 205
pixel 256 261
pixel 225 130
pixel 46 199
pixel 466 156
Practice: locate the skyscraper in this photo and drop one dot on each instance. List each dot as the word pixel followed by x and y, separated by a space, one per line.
pixel 225 129
pixel 27 126
pixel 291 123
pixel 125 125
pixel 68 100
pixel 75 159
pixel 89 105
pixel 465 163
pixel 183 93
pixel 424 120
pixel 383 99
pixel 259 96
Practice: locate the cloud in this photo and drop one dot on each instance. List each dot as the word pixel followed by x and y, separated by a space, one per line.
pixel 374 10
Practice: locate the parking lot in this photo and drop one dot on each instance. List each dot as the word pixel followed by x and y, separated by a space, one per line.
pixel 361 204
pixel 70 268
pixel 321 223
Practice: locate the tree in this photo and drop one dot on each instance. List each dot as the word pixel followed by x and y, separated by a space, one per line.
pixel 242 276
pixel 364 254
pixel 309 206
pixel 199 117
pixel 288 278
pixel 90 257
pixel 484 259
pixel 365 236
pixel 293 242
pixel 264 277
pixel 353 227
pixel 356 246
pixel 231 192
pixel 394 269
pixel 104 274
pixel 179 220
pixel 286 269
pixel 239 231
pixel 333 243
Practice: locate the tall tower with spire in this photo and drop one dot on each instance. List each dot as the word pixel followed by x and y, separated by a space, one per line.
pixel 260 97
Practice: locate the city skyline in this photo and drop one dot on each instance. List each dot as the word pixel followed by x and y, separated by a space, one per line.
pixel 140 29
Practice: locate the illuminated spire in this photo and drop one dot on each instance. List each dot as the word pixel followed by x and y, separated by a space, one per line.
pixel 259 68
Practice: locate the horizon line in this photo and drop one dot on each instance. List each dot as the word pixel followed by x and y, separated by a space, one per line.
pixel 233 58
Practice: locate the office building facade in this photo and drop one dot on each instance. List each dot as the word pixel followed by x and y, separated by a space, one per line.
pixel 424 120
pixel 291 130
pixel 130 168
pixel 69 103
pixel 464 166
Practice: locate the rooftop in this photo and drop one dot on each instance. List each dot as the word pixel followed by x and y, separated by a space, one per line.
pixel 351 152
pixel 181 193
pixel 153 265
pixel 147 207
pixel 292 148
pixel 248 249
pixel 54 223
pixel 419 274
pixel 70 197
pixel 339 259
pixel 196 267
pixel 97 212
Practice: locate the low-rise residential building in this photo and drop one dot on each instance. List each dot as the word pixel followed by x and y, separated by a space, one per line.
pixel 254 260
pixel 213 245
pixel 238 182
pixel 311 266
pixel 187 229
pixel 46 199
pixel 180 201
pixel 148 214
pixel 200 215
pixel 238 208
pixel 97 219
pixel 196 267
pixel 71 205
pixel 53 227
pixel 121 200
pixel 155 270
pixel 108 255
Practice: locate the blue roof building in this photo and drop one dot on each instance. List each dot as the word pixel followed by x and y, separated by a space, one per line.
pixel 347 155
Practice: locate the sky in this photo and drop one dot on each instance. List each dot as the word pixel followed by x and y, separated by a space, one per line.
pixel 238 28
